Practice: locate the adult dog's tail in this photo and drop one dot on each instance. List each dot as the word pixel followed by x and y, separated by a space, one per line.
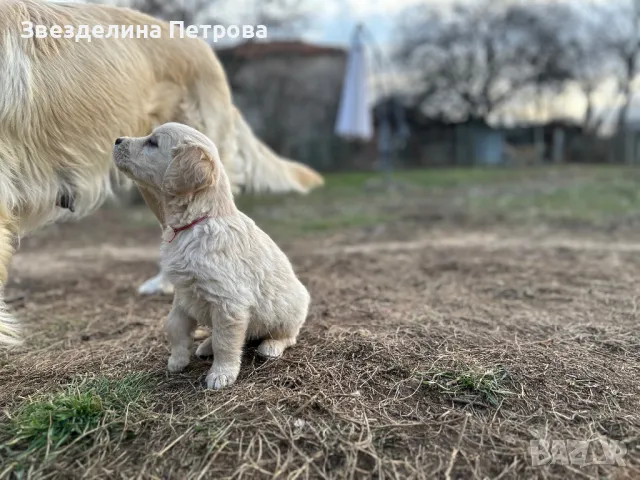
pixel 258 169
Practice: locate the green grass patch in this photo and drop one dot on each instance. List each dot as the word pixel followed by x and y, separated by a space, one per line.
pixel 339 222
pixel 590 194
pixel 432 177
pixel 344 185
pixel 593 200
pixel 359 199
pixel 44 426
pixel 321 223
pixel 489 385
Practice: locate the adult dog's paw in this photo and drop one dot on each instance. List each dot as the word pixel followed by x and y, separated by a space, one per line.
pixel 157 285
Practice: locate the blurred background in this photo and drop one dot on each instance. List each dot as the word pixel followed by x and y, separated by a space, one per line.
pixel 479 82
pixel 517 111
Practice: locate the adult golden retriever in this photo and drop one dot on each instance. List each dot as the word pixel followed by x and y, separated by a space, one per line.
pixel 63 103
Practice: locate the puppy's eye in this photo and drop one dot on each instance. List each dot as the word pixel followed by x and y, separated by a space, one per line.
pixel 152 142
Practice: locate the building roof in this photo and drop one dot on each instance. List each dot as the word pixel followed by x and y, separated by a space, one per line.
pixel 254 50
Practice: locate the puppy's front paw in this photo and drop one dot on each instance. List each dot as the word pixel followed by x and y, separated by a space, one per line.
pixel 177 363
pixel 221 377
pixel 218 382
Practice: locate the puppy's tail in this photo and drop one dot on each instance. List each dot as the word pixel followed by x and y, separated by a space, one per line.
pixel 9 329
pixel 259 169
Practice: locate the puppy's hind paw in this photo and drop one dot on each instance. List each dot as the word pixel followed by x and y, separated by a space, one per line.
pixel 271 348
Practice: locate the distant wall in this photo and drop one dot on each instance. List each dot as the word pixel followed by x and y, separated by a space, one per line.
pixel 292 102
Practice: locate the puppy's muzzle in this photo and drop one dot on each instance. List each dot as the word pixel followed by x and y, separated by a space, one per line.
pixel 120 153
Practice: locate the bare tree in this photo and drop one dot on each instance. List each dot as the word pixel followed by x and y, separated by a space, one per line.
pixel 577 56
pixel 282 17
pixel 591 66
pixel 622 36
pixel 473 59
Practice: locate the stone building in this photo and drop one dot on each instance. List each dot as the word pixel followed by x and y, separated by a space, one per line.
pixel 289 92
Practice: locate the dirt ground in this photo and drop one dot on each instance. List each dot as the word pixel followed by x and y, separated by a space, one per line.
pixel 434 348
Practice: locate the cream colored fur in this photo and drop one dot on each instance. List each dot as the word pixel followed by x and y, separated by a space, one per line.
pixel 228 274
pixel 62 103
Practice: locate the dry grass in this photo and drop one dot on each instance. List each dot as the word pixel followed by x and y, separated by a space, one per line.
pixel 439 356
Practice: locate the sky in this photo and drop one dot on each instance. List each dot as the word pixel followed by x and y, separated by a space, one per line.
pixel 333 21
pixel 336 19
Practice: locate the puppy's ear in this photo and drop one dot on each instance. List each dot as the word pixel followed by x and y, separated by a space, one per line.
pixel 191 169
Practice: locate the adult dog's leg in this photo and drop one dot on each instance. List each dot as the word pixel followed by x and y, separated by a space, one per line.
pixel 9 331
pixel 158 285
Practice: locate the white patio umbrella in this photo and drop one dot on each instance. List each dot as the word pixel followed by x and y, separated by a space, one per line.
pixel 354 116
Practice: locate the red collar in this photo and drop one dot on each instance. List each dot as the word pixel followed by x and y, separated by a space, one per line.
pixel 177 230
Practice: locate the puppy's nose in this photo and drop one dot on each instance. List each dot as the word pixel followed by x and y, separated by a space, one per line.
pixel 119 140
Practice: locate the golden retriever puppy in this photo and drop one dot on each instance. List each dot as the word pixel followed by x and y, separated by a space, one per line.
pixel 228 274
pixel 62 102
